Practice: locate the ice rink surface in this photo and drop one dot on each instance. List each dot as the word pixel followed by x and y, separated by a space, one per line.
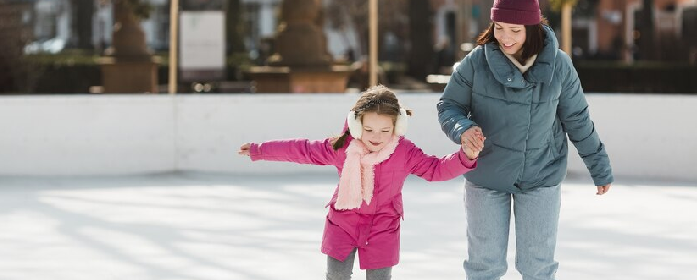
pixel 201 226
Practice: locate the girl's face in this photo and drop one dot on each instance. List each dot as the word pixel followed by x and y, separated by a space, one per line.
pixel 377 131
pixel 511 37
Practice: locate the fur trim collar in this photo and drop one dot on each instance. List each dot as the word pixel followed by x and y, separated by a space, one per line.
pixel 357 177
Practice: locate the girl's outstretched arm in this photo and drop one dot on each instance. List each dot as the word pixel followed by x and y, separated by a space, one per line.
pixel 304 151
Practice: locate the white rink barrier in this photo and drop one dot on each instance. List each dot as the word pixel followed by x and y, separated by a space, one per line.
pixel 647 135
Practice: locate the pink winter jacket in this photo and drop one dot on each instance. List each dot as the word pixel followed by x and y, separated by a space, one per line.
pixel 373 228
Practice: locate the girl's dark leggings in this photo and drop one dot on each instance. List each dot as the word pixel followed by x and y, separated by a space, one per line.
pixel 338 270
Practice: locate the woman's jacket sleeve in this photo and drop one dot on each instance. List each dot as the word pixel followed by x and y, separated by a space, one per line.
pixel 454 105
pixel 573 113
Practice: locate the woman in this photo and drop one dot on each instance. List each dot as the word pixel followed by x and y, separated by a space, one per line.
pixel 524 95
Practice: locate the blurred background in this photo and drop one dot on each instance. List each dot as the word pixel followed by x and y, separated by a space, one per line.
pixel 73 46
pixel 120 129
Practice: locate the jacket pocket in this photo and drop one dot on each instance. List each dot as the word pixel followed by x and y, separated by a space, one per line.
pixel 551 146
pixel 398 206
pixel 557 144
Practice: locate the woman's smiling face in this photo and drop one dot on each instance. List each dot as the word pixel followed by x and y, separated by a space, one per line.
pixel 510 37
pixel 377 131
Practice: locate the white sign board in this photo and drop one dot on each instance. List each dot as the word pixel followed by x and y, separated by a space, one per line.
pixel 202 45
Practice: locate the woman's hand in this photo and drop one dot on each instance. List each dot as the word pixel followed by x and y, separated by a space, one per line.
pixel 473 141
pixel 244 149
pixel 603 189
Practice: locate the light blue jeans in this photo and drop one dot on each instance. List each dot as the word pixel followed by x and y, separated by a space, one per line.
pixel 536 215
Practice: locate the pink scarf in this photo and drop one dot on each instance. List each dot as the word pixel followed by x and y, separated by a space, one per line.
pixel 357 177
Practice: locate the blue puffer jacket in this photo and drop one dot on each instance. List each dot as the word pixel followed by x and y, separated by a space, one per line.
pixel 525 118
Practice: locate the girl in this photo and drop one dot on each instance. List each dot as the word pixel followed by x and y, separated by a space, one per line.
pixel 373 160
pixel 524 93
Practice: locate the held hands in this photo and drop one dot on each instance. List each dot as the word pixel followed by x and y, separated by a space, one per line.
pixel 244 150
pixel 473 142
pixel 603 189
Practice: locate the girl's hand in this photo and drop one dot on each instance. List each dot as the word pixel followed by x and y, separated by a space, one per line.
pixel 471 154
pixel 473 141
pixel 244 150
pixel 603 189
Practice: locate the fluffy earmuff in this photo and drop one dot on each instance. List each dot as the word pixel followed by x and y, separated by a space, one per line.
pixel 401 123
pixel 355 125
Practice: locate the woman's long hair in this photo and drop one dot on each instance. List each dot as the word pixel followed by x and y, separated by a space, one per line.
pixel 534 38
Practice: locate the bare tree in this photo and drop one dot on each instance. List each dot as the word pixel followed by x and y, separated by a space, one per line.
pixel 234 27
pixel 15 34
pixel 81 23
pixel 421 27
pixel 647 30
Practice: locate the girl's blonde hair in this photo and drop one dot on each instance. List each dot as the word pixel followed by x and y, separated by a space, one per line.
pixel 378 99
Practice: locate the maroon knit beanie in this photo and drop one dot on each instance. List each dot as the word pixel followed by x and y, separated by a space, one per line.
pixel 525 12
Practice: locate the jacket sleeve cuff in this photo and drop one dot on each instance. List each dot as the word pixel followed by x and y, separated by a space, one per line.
pixel 460 129
pixel 255 152
pixel 468 163
pixel 603 181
